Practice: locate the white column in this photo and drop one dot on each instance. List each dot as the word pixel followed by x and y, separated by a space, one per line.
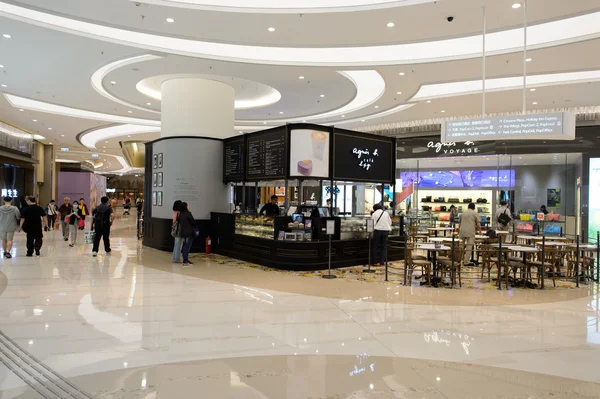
pixel 197 107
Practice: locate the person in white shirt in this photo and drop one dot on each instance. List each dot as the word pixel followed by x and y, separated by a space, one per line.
pixel 503 210
pixel 383 226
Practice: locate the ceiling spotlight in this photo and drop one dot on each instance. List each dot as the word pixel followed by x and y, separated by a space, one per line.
pixel 528 59
pixel 280 112
pixel 531 89
pixel 398 92
pixel 535 103
pixel 300 77
pixel 49 128
pixel 35 120
pixel 343 116
pixel 304 121
pixel 401 73
pixel 129 136
pixel 50 143
pixel 113 82
pixel 322 95
pixel 377 106
pixel 391 24
pixel 271 29
pixel 21 109
pixel 362 120
pixel 129 112
pixel 62 135
pixel 428 101
pixel 264 123
pixel 443 111
pixel 4 85
pixel 516 5
pixel 148 103
pixel 6 36
pixel 1 66
pixel 170 20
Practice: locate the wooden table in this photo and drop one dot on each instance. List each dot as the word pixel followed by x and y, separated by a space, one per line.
pixel 432 251
pixel 444 229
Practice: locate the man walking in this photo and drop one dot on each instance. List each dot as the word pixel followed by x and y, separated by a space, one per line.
pixel 102 219
pixel 469 227
pixel 32 220
pixel 66 209
pixel 9 224
pixel 51 212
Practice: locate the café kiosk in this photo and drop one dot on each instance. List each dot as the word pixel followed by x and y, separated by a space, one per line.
pixel 297 240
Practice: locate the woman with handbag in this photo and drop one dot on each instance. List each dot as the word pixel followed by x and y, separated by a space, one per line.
pixel 84 213
pixel 73 221
pixel 176 233
pixel 188 231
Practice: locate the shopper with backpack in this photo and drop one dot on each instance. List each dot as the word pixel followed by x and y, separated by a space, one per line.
pixel 102 219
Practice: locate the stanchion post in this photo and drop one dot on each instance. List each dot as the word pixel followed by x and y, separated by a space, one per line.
pixel 370 230
pixel 500 265
pixel 330 231
pixel 452 275
pixel 598 256
pixel 577 264
pixel 405 258
pixel 543 259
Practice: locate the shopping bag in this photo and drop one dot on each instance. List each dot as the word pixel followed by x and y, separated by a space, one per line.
pixel 81 222
pixel 89 237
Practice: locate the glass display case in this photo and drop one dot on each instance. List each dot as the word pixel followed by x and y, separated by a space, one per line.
pixel 355 228
pixel 254 226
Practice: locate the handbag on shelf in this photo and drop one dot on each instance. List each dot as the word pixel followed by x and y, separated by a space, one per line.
pixel 445 218
pixel 552 229
pixel 438 209
pixel 524 216
pixel 440 199
pixel 443 209
pixel 467 200
pixel 427 198
pixel 553 217
pixel 453 200
pixel 426 208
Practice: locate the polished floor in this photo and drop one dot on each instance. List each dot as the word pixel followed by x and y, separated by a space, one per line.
pixel 134 325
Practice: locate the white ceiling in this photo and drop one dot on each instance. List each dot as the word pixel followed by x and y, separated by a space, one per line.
pixel 55 67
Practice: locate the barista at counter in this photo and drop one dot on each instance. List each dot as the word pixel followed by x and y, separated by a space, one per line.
pixel 271 208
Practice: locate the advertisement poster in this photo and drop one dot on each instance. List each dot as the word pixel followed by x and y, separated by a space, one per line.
pixel 553 200
pixel 459 178
pixel 594 209
pixel 309 153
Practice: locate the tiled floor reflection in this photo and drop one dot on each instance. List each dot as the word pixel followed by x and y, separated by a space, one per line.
pixel 112 322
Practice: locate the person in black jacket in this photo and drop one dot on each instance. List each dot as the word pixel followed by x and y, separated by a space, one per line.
pixel 186 225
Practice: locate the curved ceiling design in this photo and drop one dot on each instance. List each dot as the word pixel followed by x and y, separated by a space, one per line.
pixel 98 77
pixel 285 7
pixel 34 105
pixel 249 94
pixel 441 90
pixel 569 30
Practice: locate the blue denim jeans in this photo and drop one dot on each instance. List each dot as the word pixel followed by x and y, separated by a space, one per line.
pixel 380 238
pixel 177 249
pixel 187 245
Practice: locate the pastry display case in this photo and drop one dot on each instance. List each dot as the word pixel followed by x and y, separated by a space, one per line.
pixel 254 226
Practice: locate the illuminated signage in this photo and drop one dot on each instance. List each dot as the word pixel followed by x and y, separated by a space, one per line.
pixel 111 190
pixel 9 193
pixel 95 156
pixel 64 149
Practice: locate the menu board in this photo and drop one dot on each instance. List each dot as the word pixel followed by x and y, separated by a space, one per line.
pixel 553 126
pixel 266 154
pixel 362 157
pixel 233 159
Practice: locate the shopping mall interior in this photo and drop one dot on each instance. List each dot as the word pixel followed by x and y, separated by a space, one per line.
pixel 299 199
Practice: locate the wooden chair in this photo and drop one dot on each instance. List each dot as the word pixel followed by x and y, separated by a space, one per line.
pixel 489 256
pixel 414 261
pixel 552 259
pixel 586 262
pixel 445 265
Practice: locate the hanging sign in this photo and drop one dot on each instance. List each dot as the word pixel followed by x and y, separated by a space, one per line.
pixel 553 126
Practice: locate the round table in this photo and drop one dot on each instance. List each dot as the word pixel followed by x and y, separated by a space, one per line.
pixel 444 229
pixel 432 251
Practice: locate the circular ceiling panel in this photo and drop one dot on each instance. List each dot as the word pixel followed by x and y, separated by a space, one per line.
pixel 283 7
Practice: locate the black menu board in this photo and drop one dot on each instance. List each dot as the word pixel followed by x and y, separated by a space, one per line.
pixel 233 159
pixel 363 157
pixel 266 155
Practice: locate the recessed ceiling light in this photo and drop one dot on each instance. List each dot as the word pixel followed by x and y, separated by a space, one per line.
pixel 264 123
pixel 443 111
pixel 391 24
pixel 50 143
pixel 401 73
pixel 106 142
pixel 343 116
pixel 362 120
pixel 300 77
pixel 528 59
pixel 129 136
pixel 103 146
pixel 398 92
pixel 113 82
pixel 535 103
pixel 148 103
pixel 271 29
pixel 428 101
pixel 6 36
pixel 1 66
pixel 170 20
pixel 516 5
pixel 62 135
pixel 531 89
pixel 377 106
pixel 49 128
pixel 21 109
pixel 4 85
pixel 280 112
pixel 322 95
pixel 129 112
pixel 35 120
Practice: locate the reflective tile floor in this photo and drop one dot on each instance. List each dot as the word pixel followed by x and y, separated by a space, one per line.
pixel 134 325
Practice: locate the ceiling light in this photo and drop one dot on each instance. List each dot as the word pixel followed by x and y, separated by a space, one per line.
pixel 6 36
pixel 516 5
pixel 401 74
pixel 343 116
pixel 377 106
pixel 443 111
pixel 148 103
pixel 428 101
pixel 398 92
pixel 21 110
pixel 129 135
pixel 50 143
pixel 531 89
pixel 1 66
pixel 528 59
pixel 106 142
pixel 264 123
pixel 62 135
pixel 271 29
pixel 113 82
pixel 280 112
pixel 304 121
pixel 35 120
pixel 390 24
pixel 362 120
pixel 4 85
pixel 49 128
pixel 322 95
pixel 170 20
pixel 535 103
pixel 300 77
pixel 129 112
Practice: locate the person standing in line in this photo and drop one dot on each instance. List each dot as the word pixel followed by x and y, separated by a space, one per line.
pixel 102 218
pixel 32 220
pixel 177 246
pixel 383 225
pixel 470 226
pixel 51 212
pixel 74 219
pixel 187 224
pixel 66 209
pixel 83 212
pixel 9 224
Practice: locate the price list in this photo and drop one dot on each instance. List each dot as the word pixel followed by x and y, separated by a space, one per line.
pixel 267 155
pixel 234 159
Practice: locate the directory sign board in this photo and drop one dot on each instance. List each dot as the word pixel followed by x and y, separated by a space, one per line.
pixel 553 126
